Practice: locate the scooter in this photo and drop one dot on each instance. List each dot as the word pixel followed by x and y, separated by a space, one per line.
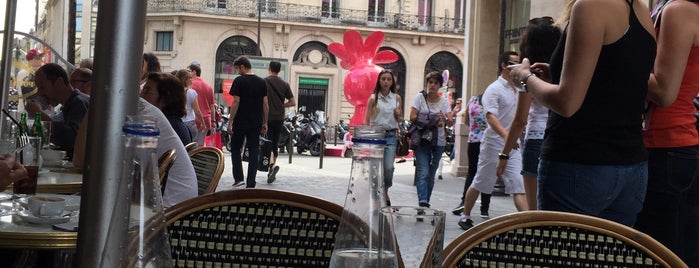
pixel 288 127
pixel 308 136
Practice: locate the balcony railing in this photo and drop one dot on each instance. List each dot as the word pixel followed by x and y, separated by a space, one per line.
pixel 310 14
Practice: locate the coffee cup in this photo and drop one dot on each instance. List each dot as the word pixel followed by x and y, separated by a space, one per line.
pixel 46 206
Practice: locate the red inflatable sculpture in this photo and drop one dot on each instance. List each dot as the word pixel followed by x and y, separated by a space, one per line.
pixel 360 58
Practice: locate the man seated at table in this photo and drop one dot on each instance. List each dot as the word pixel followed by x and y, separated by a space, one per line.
pixel 10 171
pixel 181 180
pixel 52 83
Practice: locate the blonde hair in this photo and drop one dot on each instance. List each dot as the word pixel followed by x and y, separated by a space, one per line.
pixel 565 15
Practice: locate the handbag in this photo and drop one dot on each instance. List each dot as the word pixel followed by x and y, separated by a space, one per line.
pixel 214 140
pixel 264 154
pixel 402 145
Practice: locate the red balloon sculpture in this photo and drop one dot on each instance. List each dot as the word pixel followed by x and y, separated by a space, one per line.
pixel 360 58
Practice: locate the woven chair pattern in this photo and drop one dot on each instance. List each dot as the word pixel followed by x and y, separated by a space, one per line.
pixel 260 234
pixel 555 247
pixel 208 166
pixel 165 162
pixel 556 239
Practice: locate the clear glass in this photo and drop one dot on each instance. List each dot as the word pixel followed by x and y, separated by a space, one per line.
pixel 419 235
pixel 147 241
pixel 358 239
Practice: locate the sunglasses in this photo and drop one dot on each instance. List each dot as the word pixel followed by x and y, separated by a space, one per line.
pixel 512 63
pixel 545 20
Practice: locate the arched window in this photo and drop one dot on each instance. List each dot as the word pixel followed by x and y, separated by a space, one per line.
pixel 227 52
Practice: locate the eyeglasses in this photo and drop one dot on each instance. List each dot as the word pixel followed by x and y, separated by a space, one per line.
pixel 546 20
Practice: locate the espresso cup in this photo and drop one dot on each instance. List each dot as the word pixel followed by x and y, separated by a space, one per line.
pixel 46 206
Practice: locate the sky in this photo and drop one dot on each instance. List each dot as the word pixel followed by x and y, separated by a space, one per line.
pixel 24 19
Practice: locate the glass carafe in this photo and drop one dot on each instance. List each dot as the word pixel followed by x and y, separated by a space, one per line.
pixel 147 242
pixel 358 239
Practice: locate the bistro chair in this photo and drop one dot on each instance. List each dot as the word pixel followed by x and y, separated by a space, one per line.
pixel 191 146
pixel 208 165
pixel 253 228
pixel 556 239
pixel 165 162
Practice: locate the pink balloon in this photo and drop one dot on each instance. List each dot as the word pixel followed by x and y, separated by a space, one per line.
pixel 358 86
pixel 385 57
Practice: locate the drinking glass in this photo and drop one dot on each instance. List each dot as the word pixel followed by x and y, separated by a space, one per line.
pixel 30 159
pixel 418 235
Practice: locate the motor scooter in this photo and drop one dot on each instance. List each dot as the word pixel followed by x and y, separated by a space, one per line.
pixel 308 135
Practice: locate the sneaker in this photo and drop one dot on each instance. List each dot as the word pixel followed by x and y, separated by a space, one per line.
pixel 466 224
pixel 272 174
pixel 440 177
pixel 457 210
pixel 239 183
pixel 485 215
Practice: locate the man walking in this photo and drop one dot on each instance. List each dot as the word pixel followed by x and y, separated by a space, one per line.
pixel 279 96
pixel 249 110
pixel 500 103
pixel 205 99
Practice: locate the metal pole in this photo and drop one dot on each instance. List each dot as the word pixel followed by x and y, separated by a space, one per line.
pixel 10 11
pixel 290 144
pixel 259 22
pixel 118 53
pixel 322 147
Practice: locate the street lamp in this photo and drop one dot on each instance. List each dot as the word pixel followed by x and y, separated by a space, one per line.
pixel 259 22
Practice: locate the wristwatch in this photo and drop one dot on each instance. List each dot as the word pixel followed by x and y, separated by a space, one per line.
pixel 523 82
pixel 503 156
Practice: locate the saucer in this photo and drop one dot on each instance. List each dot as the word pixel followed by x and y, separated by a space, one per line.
pixel 30 218
pixel 72 201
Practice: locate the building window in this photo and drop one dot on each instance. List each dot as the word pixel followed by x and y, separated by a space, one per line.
pixel 268 6
pixel 424 13
pixel 459 11
pixel 331 9
pixel 377 10
pixel 163 41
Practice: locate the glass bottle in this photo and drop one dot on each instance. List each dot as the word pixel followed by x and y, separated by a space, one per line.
pixel 147 242
pixel 24 128
pixel 37 130
pixel 358 238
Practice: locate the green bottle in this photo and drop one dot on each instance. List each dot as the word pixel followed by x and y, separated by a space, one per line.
pixel 23 127
pixel 37 130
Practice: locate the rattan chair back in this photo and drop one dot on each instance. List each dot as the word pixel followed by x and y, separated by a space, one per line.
pixel 208 165
pixel 191 146
pixel 556 239
pixel 165 162
pixel 253 228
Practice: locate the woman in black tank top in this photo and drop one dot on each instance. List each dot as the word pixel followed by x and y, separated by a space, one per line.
pixel 593 160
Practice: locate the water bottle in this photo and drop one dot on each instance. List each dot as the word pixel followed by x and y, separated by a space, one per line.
pixel 358 239
pixel 147 241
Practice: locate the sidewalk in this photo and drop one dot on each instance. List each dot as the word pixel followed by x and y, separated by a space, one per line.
pixel 304 176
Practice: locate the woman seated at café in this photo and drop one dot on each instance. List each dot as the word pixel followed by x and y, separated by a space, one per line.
pixel 166 92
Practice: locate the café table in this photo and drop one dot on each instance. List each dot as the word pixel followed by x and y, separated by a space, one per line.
pixel 58 180
pixel 16 233
pixel 40 243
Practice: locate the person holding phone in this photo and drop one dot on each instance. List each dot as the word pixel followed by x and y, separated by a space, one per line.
pixel 593 160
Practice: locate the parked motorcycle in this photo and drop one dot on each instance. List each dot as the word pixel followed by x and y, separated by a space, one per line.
pixel 288 127
pixel 223 128
pixel 308 135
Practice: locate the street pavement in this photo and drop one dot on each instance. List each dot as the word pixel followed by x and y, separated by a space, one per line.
pixel 305 175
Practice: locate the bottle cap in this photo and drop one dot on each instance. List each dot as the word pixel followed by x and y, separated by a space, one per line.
pixel 370 141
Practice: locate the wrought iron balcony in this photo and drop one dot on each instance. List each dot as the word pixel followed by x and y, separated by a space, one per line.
pixel 310 14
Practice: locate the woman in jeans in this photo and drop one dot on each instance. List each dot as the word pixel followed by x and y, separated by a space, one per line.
pixel 384 110
pixel 670 210
pixel 593 160
pixel 428 154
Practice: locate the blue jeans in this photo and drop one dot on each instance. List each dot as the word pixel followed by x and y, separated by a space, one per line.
pixel 612 192
pixel 427 160
pixel 671 210
pixel 389 157
pixel 252 137
pixel 531 150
